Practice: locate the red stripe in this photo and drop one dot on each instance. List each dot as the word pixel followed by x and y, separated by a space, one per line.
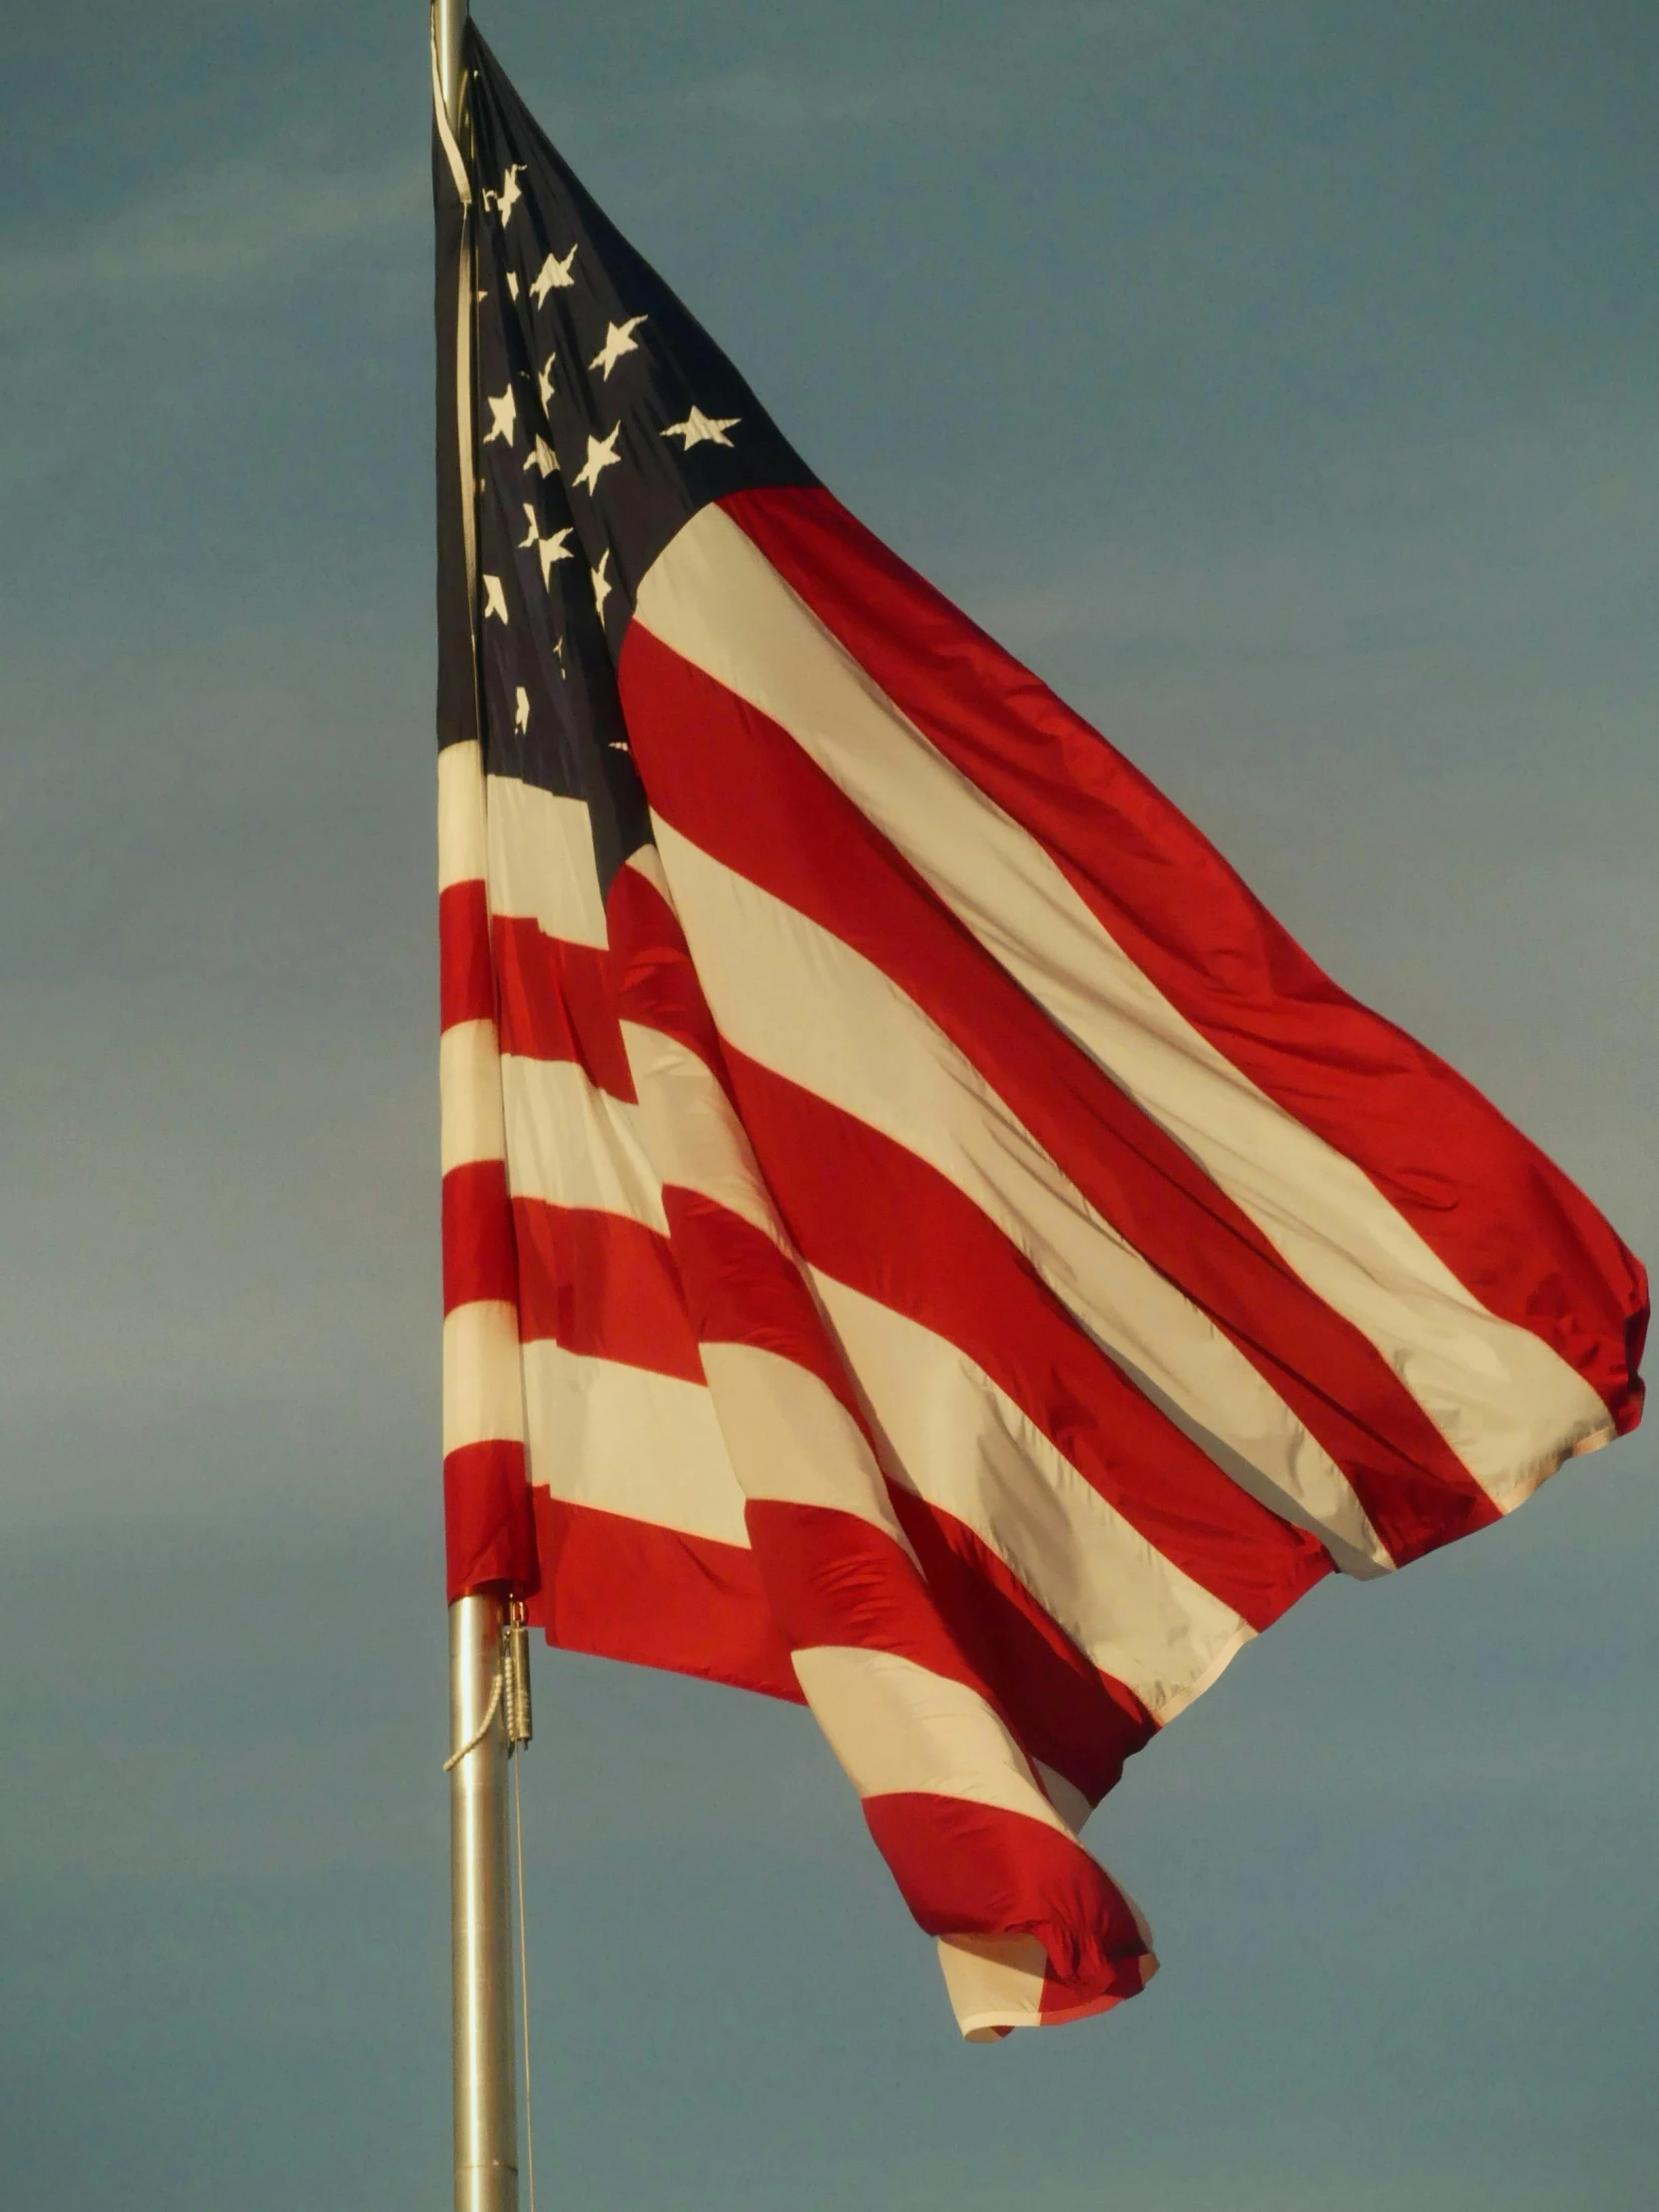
pixel 626 1589
pixel 1063 1709
pixel 745 1290
pixel 1507 1223
pixel 978 1869
pixel 479 1257
pixel 832 1578
pixel 557 1002
pixel 655 982
pixel 466 985
pixel 1063 2001
pixel 489 1533
pixel 800 838
pixel 604 1285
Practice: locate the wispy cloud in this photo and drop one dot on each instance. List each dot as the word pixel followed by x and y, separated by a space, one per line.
pixel 235 223
pixel 778 104
pixel 984 79
pixel 1491 527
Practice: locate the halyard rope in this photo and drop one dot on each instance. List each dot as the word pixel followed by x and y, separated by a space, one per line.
pixel 484 1726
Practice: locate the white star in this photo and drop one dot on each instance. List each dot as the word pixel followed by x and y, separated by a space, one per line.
pixel 495 600
pixel 541 458
pixel 601 453
pixel 503 417
pixel 548 550
pixel 544 382
pixel 701 429
pixel 508 197
pixel 552 273
pixel 602 586
pixel 521 709
pixel 619 339
pixel 512 284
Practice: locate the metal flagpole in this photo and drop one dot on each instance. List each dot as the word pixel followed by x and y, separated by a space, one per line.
pixel 449 21
pixel 480 1932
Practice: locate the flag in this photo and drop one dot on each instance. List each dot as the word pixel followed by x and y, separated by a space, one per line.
pixel 918 1237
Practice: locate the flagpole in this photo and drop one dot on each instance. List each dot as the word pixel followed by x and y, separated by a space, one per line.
pixel 480 1927
pixel 449 21
pixel 480 1930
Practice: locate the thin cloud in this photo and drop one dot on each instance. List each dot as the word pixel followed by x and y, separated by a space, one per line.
pixel 211 229
pixel 967 87
pixel 781 104
pixel 1492 529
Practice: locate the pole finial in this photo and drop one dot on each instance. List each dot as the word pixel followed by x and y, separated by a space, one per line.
pixel 449 25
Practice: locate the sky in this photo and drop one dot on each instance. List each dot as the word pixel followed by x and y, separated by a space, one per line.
pixel 1282 382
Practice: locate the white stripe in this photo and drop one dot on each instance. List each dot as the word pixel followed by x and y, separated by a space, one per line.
pixel 484 1400
pixel 1502 1399
pixel 857 1042
pixel 963 1446
pixel 692 1131
pixel 572 1144
pixel 993 1981
pixel 898 1727
pixel 469 1095
pixel 1067 1799
pixel 461 843
pixel 541 861
pixel 790 1440
pixel 691 1128
pixel 630 1441
pixel 645 862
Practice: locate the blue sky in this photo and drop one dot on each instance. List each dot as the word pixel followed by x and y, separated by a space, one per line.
pixel 1280 382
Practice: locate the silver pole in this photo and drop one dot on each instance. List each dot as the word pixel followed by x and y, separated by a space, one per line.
pixel 449 18
pixel 480 1930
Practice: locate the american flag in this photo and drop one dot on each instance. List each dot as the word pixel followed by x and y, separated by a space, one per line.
pixel 920 1238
